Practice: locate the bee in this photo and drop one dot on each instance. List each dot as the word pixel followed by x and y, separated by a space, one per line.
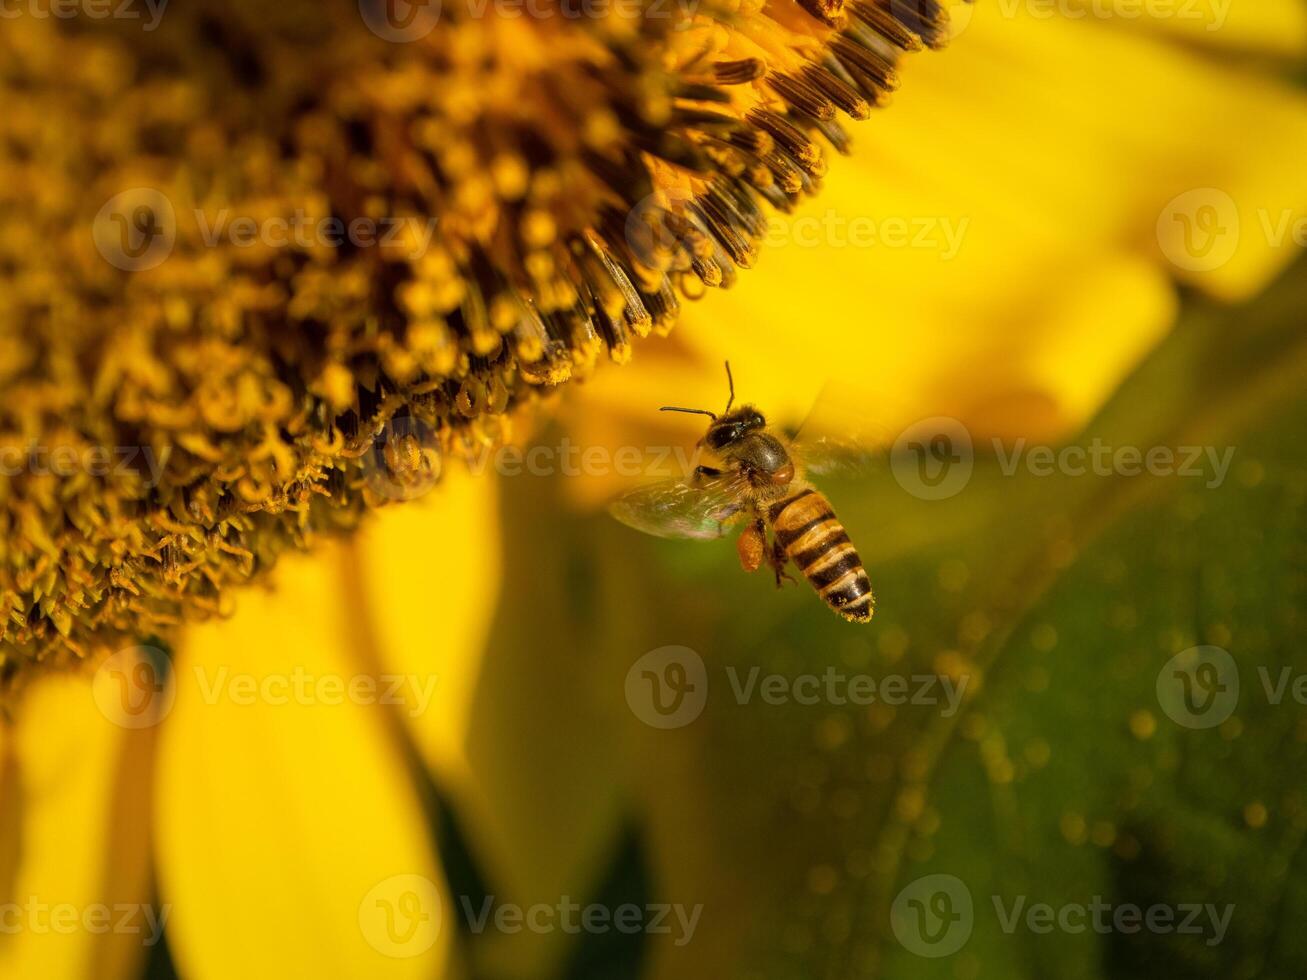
pixel 758 482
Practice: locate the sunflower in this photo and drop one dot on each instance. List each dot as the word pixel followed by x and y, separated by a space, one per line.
pixel 295 779
pixel 334 246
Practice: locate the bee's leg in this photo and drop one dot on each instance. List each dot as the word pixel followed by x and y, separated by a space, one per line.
pixel 778 559
pixel 725 515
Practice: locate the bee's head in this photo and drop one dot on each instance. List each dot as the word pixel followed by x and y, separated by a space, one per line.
pixel 729 427
pixel 734 426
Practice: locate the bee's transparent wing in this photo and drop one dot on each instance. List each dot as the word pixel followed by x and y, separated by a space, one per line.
pixel 672 509
pixel 838 438
pixel 834 456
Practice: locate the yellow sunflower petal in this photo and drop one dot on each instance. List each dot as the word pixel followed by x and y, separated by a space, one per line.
pixel 429 576
pixel 463 615
pixel 74 883
pixel 291 840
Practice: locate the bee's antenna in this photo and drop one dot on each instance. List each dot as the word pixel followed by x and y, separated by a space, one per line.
pixel 730 381
pixel 690 411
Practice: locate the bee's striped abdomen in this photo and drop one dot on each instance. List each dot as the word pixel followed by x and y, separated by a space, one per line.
pixel 816 541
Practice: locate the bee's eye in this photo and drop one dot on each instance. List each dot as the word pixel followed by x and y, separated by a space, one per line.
pixel 723 435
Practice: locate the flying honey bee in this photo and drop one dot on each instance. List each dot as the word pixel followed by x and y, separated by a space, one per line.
pixel 759 480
